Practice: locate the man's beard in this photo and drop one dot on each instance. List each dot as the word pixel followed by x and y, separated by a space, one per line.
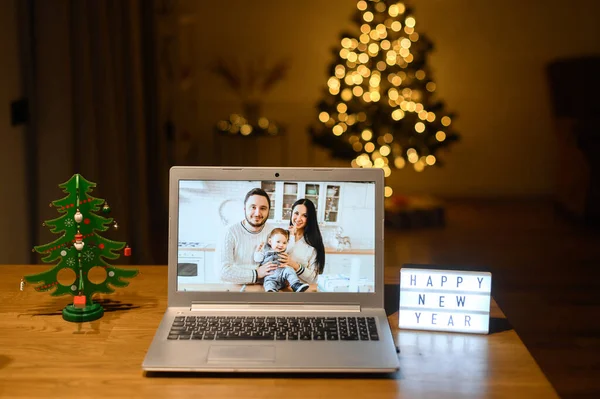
pixel 254 224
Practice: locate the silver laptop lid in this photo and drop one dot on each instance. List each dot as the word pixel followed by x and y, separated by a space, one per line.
pixel 211 219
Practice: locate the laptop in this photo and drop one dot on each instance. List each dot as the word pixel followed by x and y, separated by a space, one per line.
pixel 319 308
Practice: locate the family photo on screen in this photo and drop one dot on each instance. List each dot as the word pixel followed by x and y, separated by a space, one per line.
pixel 261 241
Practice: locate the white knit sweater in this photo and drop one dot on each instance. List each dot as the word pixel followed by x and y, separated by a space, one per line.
pixel 236 254
pixel 306 256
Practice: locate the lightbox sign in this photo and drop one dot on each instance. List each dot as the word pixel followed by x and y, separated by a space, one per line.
pixel 445 300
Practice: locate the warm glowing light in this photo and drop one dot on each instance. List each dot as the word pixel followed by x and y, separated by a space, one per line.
pixel 357 79
pixel 411 106
pixel 375 80
pixel 353 163
pixel 418 107
pixel 413 158
pixel 351 120
pixel 366 96
pixel 341 107
pixel 396 26
pixel 393 10
pixel 361 5
pixel 363 58
pixel 430 160
pixel 365 28
pixel 404 52
pixel 440 136
pixel 366 135
pixel 446 121
pixel 396 80
pixel 419 166
pixel 346 42
pixel 405 43
pixel 373 48
pixel 397 114
pixel 388 138
pixel 334 91
pixel 409 58
pixel 368 16
pixel 386 171
pixel 374 35
pixel 378 163
pixel 361 116
pixel 338 130
pixel 346 94
pixel 263 122
pixel 414 36
pixel 357 91
pixel 352 56
pixel 423 115
pixel 333 82
pixel 369 147
pixel 357 146
pixel 364 38
pixel 381 66
pixel 410 22
pixel 388 191
pixel 420 127
pixel 385 45
pixel 420 74
pixel 344 53
pixel 385 150
pixel 343 117
pixel 393 94
pixel 375 96
pixel 340 71
pixel 246 130
pixel 399 162
pixel 430 86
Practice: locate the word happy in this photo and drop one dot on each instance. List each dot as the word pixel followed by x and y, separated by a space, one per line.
pixel 445 300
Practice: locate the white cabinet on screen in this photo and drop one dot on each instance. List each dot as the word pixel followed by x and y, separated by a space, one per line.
pixel 325 197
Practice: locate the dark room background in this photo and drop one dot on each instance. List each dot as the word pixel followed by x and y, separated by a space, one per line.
pixel 489 64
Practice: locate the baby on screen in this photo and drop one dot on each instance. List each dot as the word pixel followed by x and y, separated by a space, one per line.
pixel 277 242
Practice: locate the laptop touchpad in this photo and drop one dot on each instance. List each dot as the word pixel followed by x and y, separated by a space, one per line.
pixel 241 353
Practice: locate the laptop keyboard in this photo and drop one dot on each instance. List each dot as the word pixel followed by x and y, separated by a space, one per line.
pixel 274 328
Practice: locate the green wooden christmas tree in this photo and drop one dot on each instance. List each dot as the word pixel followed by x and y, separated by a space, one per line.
pixel 80 248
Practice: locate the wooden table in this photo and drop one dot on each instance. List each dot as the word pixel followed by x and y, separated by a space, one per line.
pixel 41 355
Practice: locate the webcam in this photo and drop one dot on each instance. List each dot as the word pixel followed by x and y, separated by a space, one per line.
pixel 276 174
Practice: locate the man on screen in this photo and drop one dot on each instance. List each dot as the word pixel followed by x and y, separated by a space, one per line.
pixel 236 263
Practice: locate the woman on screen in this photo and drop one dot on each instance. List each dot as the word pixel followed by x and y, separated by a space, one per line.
pixel 306 252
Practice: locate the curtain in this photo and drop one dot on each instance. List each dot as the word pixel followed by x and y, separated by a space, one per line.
pixel 105 128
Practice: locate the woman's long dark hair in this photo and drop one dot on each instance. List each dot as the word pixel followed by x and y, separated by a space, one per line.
pixel 312 234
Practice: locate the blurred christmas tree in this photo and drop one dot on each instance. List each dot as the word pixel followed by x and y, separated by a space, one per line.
pixel 380 108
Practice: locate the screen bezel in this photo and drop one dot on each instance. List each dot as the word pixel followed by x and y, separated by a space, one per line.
pixel 187 298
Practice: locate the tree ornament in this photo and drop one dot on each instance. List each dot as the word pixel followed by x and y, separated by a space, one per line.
pixel 98 248
pixel 116 226
pixel 106 208
pixel 127 251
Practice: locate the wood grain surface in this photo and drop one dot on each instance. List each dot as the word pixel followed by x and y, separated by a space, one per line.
pixel 43 356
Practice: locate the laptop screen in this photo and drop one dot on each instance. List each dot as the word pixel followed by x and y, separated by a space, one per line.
pixel 276 236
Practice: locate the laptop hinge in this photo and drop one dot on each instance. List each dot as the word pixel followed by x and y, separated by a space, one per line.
pixel 274 307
